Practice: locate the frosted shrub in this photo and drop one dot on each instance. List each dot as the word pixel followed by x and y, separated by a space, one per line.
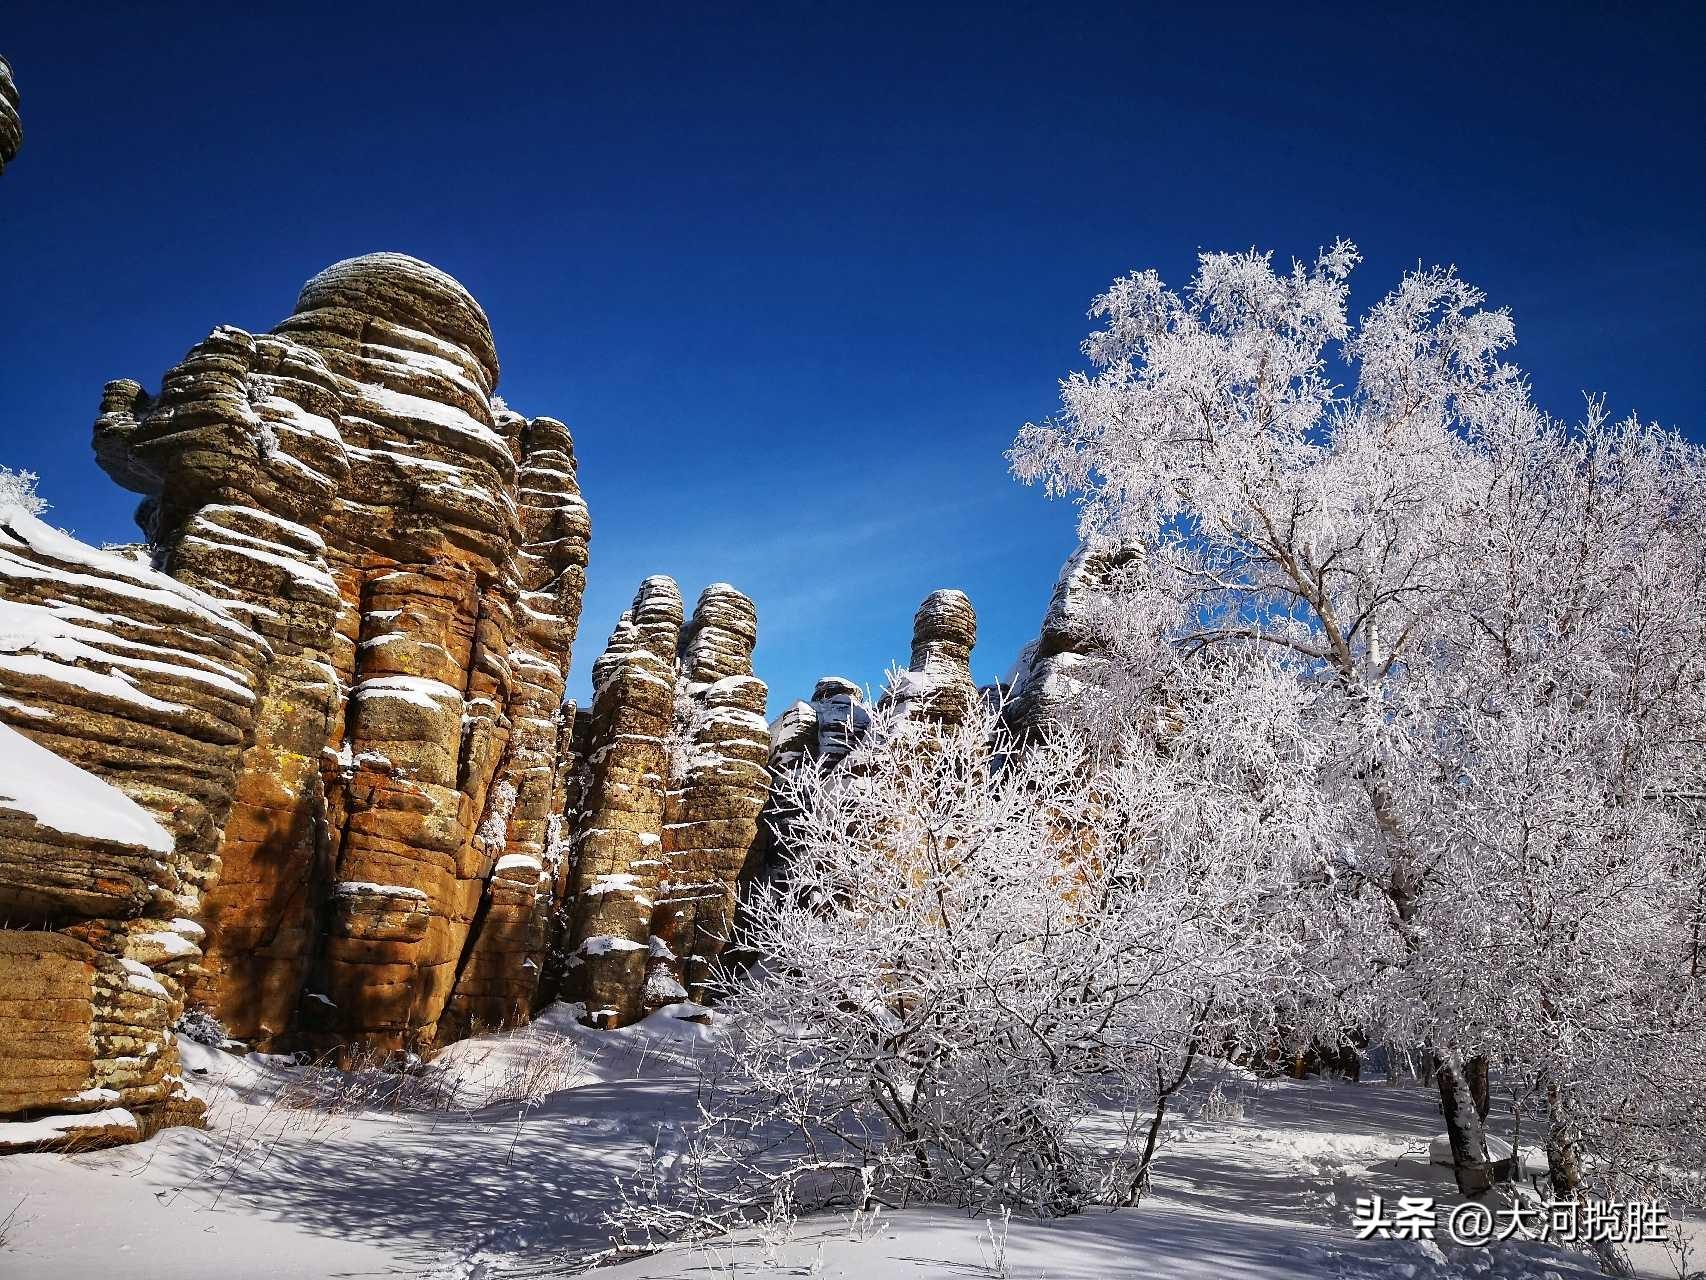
pixel 202 1027
pixel 976 945
pixel 18 489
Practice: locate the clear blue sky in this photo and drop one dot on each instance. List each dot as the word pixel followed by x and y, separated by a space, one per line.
pixel 795 275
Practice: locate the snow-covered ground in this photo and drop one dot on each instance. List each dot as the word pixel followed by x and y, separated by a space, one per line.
pixel 1266 1187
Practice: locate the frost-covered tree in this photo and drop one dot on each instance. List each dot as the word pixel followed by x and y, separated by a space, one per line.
pixel 1490 625
pixel 1397 725
pixel 1572 677
pixel 975 947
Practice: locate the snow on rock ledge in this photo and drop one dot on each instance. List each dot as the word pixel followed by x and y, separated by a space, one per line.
pixel 677 745
pixel 126 700
pixel 937 689
pixel 98 1128
pixel 414 552
pixel 70 803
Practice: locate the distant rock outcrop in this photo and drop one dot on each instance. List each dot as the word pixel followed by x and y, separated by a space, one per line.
pixel 11 126
pixel 415 553
pixel 1055 667
pixel 126 702
pixel 937 685
pixel 675 781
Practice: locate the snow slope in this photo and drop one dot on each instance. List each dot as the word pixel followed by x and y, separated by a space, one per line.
pixel 512 1190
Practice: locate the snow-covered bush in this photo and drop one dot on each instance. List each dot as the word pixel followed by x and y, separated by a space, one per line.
pixel 975 946
pixel 201 1026
pixel 18 489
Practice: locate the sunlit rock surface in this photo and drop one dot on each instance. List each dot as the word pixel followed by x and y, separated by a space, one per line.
pixel 675 780
pixel 126 702
pixel 414 552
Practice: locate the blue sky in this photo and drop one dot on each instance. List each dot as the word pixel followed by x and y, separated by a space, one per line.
pixel 796 274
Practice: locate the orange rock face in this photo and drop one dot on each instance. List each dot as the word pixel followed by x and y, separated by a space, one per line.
pixel 126 702
pixel 327 788
pixel 414 552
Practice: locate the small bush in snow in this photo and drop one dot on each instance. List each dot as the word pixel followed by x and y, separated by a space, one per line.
pixel 202 1027
pixel 360 1078
pixel 534 1066
pixel 18 488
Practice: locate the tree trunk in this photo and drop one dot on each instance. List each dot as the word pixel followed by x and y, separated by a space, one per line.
pixel 1563 1158
pixel 1564 1167
pixel 1479 1084
pixel 1463 1127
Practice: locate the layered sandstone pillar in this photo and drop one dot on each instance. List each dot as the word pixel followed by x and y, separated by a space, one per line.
pixel 675 782
pixel 1068 654
pixel 618 841
pixel 718 785
pixel 415 552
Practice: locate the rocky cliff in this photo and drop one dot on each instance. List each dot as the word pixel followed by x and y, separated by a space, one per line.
pixel 304 760
pixel 414 553
pixel 340 798
pixel 126 702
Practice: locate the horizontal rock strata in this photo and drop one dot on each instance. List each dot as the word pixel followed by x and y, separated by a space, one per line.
pixel 306 761
pixel 415 554
pixel 127 700
pixel 937 685
pixel 675 781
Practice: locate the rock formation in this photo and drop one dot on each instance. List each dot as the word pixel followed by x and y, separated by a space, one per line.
pixel 938 685
pixel 11 127
pixel 1054 667
pixel 126 702
pixel 414 552
pixel 304 760
pixel 718 786
pixel 675 781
